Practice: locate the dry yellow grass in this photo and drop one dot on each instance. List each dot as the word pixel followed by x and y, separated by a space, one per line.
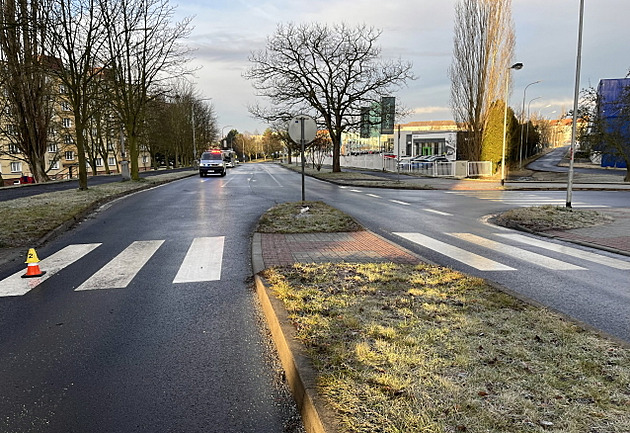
pixel 426 349
pixel 27 220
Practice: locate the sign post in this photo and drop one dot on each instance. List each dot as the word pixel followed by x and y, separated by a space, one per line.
pixel 302 130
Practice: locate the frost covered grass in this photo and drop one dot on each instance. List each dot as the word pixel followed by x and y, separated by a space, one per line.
pixel 402 348
pixel 543 218
pixel 26 220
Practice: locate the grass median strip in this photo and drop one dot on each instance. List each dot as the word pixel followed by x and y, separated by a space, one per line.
pixel 28 219
pixel 402 348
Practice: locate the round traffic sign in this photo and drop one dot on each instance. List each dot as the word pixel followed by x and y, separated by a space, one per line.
pixel 302 129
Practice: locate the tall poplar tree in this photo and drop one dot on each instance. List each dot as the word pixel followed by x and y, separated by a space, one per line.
pixel 482 54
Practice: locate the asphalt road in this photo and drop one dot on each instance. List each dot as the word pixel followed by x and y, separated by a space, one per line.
pixel 177 348
pixel 152 343
pixel 550 161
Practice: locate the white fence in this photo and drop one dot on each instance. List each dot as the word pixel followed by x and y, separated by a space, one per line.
pixel 430 169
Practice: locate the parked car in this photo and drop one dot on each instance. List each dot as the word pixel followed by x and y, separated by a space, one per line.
pixel 427 161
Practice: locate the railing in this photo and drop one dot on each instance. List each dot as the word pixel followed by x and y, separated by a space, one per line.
pixel 422 168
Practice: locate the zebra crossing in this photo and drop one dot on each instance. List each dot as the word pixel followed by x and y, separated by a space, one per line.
pixel 517 252
pixel 202 263
pixel 523 199
pixel 203 260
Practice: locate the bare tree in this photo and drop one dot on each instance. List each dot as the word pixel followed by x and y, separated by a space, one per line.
pixel 25 73
pixel 482 54
pixel 329 72
pixel 77 38
pixel 146 54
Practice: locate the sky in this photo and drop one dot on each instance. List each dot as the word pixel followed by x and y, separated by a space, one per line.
pixel 226 32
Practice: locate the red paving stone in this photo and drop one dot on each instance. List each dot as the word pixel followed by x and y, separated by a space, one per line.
pixel 361 247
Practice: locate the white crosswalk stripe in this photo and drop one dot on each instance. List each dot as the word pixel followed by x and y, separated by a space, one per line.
pixel 15 285
pixel 459 254
pixel 203 261
pixel 522 200
pixel 528 256
pixel 570 251
pixel 482 263
pixel 119 272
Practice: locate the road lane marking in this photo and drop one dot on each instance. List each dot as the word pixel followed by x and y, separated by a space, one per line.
pixel 471 259
pixel 570 251
pixel 15 285
pixel 373 195
pixel 400 202
pixel 119 272
pixel 203 261
pixel 437 212
pixel 528 256
pixel 355 190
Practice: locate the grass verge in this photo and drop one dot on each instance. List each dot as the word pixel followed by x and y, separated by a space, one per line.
pixel 25 221
pixel 306 217
pixel 402 348
pixel 543 218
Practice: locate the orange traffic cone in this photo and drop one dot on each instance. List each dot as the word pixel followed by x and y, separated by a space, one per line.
pixel 32 270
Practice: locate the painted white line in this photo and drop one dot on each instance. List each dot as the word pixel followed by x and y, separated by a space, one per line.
pixel 343 187
pixel 119 272
pixel 355 190
pixel 203 261
pixel 400 202
pixel 373 195
pixel 463 256
pixel 437 212
pixel 570 251
pixel 15 285
pixel 528 256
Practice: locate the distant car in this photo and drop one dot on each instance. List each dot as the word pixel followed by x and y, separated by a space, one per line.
pixel 427 161
pixel 212 162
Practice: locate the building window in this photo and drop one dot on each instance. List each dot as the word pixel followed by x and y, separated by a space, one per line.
pixel 68 139
pixel 66 122
pixel 145 159
pixel 62 89
pixel 13 148
pixel 11 129
pixel 99 162
pixel 16 167
pixel 54 165
pixel 52 148
pixel 65 106
pixel 69 155
pixel 111 160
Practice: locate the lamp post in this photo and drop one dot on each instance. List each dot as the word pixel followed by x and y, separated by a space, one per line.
pixel 226 126
pixel 520 147
pixel 515 66
pixel 528 122
pixel 192 121
pixel 576 95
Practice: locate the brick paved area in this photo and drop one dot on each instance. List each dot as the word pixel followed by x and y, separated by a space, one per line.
pixel 615 235
pixel 355 247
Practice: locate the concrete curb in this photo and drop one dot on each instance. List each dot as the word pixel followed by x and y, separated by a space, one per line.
pixel 299 373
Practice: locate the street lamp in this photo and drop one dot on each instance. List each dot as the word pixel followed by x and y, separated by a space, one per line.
pixel 576 95
pixel 520 147
pixel 223 136
pixel 528 122
pixel 192 121
pixel 515 66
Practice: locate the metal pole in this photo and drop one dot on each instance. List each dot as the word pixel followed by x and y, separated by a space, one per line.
pixel 302 152
pixel 520 149
pixel 507 83
pixel 516 66
pixel 576 95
